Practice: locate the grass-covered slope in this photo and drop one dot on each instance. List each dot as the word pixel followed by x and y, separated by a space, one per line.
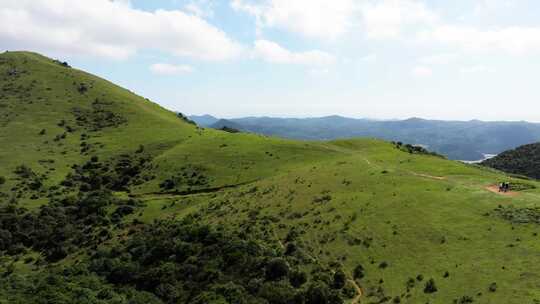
pixel 524 160
pixel 54 117
pixel 121 201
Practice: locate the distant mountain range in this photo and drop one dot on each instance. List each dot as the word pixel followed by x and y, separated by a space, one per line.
pixel 459 140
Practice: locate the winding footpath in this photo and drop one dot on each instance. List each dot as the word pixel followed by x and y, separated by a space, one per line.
pixel 359 293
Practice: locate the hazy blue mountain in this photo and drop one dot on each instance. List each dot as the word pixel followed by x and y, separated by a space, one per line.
pixel 463 140
pixel 204 120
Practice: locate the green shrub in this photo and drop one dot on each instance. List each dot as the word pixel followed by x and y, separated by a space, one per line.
pixel 339 280
pixel 297 278
pixel 358 272
pixel 430 286
pixel 276 269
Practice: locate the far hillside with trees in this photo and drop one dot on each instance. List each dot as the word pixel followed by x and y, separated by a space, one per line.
pixel 524 160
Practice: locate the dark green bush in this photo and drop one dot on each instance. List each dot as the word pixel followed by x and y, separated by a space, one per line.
pixel 358 272
pixel 276 269
pixel 339 280
pixel 430 286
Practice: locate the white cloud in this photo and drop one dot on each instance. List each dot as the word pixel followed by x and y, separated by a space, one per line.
pixel 321 19
pixel 406 19
pixel 109 29
pixel 390 18
pixel 170 69
pixel 513 40
pixel 422 71
pixel 274 53
pixel 476 69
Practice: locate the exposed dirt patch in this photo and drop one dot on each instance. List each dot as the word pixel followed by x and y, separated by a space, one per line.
pixel 495 189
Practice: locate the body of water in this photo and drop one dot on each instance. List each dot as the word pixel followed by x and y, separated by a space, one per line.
pixel 486 157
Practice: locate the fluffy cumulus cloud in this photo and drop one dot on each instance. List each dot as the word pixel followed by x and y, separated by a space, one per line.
pixel 332 19
pixel 320 19
pixel 274 53
pixel 170 69
pixel 111 29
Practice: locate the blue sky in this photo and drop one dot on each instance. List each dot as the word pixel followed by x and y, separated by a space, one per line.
pixel 460 59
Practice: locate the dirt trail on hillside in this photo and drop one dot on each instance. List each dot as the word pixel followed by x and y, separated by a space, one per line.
pixel 359 293
pixel 429 176
pixel 495 189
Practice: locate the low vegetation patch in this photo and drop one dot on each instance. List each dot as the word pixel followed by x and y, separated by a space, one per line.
pixel 99 117
pixel 516 215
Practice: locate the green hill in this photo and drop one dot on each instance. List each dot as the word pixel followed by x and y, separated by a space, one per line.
pixel 109 198
pixel 524 160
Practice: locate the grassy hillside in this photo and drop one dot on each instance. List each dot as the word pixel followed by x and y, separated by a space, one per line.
pixel 54 117
pixel 524 160
pixel 137 205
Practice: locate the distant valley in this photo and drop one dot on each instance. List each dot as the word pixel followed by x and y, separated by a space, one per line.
pixel 457 140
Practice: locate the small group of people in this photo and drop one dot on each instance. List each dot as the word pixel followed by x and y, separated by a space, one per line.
pixel 504 187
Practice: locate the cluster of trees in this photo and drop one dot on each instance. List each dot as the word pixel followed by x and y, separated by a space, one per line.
pixel 62 226
pixel 116 174
pixel 185 118
pixel 67 285
pixel 170 261
pixel 29 183
pixel 189 176
pixel 229 129
pixel 524 160
pixel 29 180
pixel 185 262
pixel 62 63
pixel 415 149
pixel 98 117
